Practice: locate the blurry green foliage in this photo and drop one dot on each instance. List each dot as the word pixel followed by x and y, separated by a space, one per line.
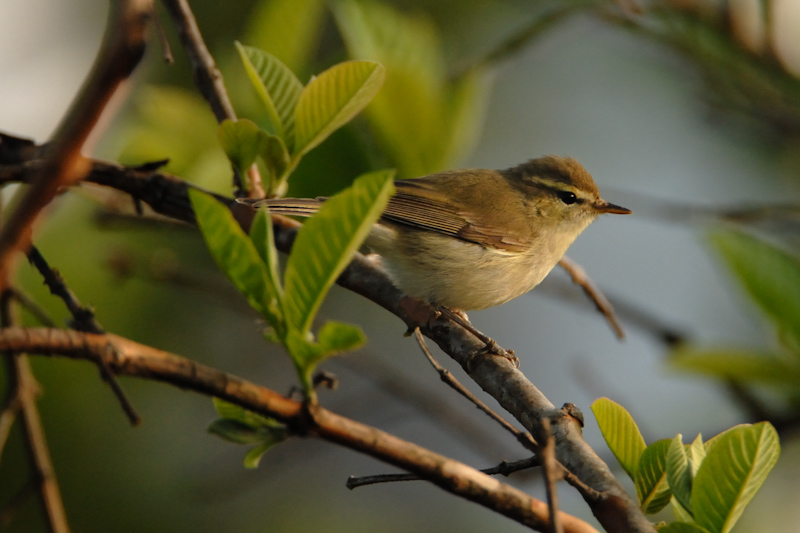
pixel 424 119
pixel 771 277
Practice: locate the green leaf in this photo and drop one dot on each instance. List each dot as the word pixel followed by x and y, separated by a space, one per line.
pixel 679 474
pixel 277 86
pixel 338 337
pixel 681 514
pixel 682 527
pixel 334 338
pixel 734 469
pixel 235 254
pixel 739 365
pixel 241 141
pixel 264 242
pixel 288 29
pixel 327 241
pixel 274 154
pixel 235 431
pixel 305 354
pixel 770 275
pixel 696 453
pixel 651 477
pixel 234 412
pixel 332 99
pixel 621 433
pixel 253 457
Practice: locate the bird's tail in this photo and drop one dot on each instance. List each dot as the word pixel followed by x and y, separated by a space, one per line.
pixel 299 207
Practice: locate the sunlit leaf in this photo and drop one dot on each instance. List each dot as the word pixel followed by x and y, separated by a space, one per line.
pixel 696 453
pixel 621 433
pixel 734 469
pixel 679 474
pixel 276 85
pixel 651 477
pixel 327 241
pixel 332 99
pixel 264 241
pixel 234 253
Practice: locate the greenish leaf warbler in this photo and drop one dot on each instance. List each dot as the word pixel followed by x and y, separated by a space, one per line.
pixel 475 238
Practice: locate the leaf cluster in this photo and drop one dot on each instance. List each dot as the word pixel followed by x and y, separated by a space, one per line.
pixel 301 118
pixel 708 484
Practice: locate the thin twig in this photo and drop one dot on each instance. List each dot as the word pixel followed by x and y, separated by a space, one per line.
pixel 166 49
pixel 505 468
pixel 209 82
pixel 7 418
pixel 82 317
pixel 392 381
pixel 34 308
pixel 580 278
pixel 83 320
pixel 523 437
pixel 552 473
pixel 24 389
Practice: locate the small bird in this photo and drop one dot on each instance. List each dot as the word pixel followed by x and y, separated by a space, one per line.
pixel 475 238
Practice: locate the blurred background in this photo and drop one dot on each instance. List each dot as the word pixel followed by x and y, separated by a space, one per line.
pixel 682 113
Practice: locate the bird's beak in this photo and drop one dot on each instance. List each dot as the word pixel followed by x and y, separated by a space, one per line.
pixel 605 207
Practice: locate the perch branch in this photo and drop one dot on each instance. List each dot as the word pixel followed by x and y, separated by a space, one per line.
pixel 126 357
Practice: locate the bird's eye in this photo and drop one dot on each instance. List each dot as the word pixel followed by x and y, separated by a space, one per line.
pixel 567 197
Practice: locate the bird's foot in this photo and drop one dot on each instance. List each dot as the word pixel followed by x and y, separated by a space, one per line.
pixel 491 348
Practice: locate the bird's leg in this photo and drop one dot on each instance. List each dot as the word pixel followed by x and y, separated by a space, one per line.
pixel 460 317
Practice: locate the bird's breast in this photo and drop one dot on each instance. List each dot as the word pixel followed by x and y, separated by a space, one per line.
pixel 462 275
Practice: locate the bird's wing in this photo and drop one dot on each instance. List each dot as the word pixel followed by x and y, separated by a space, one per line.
pixel 418 204
pixel 300 207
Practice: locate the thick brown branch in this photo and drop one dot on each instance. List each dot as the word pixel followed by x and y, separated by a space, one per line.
pixel 123 47
pixel 130 358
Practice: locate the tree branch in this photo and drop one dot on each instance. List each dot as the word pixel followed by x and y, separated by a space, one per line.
pixel 23 390
pixel 123 47
pixel 126 357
